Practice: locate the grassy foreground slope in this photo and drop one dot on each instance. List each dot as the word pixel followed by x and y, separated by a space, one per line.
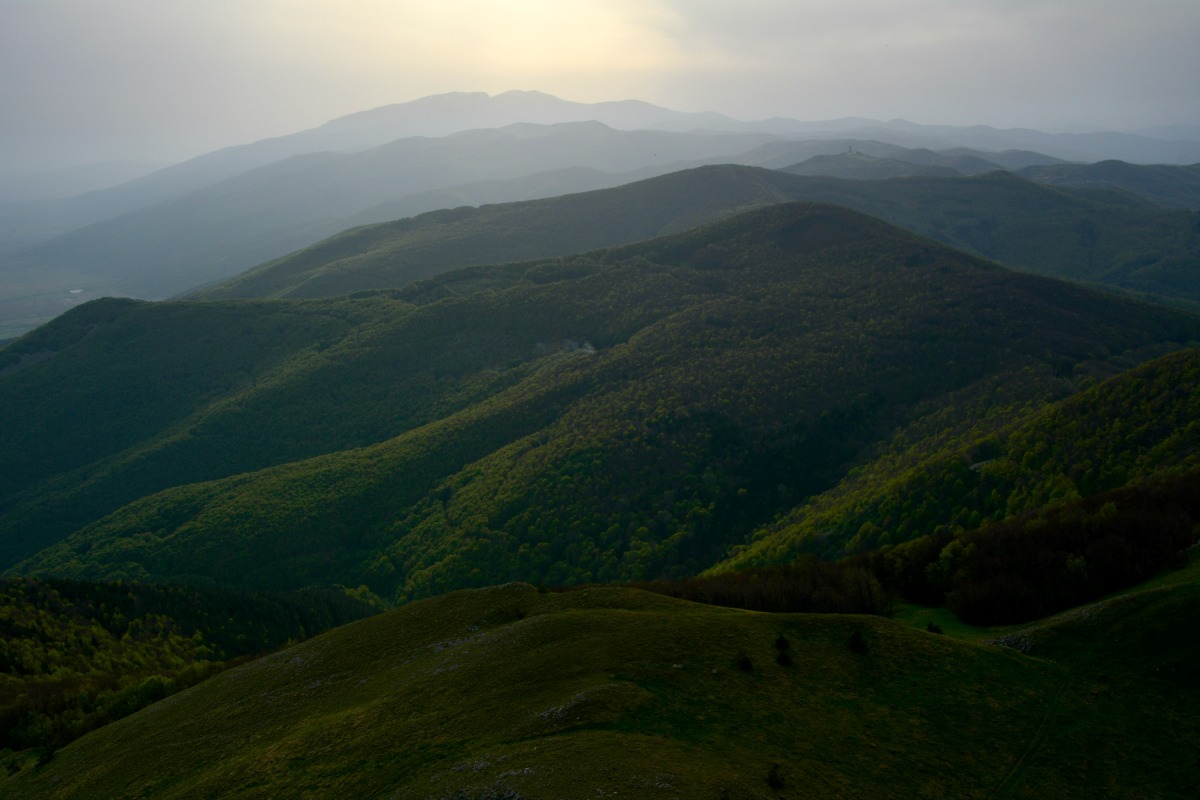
pixel 506 692
pixel 710 381
pixel 1125 720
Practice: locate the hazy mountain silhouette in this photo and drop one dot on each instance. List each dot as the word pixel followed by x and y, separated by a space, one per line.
pixel 1168 185
pixel 140 256
pixel 222 229
pixel 1114 239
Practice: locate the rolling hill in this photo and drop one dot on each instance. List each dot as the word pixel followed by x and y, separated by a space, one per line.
pixel 897 163
pixel 1165 184
pixel 1108 240
pixel 858 166
pixel 511 693
pixel 220 229
pixel 694 385
pixel 394 254
pixel 1120 431
pixel 430 117
pixel 474 428
pixel 51 257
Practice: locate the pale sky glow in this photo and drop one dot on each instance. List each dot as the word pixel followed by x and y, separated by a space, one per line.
pixel 88 80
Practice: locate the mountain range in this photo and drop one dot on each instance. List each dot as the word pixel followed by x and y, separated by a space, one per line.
pixel 215 215
pixel 1177 186
pixel 424 439
pixel 1107 239
pixel 219 230
pixel 193 234
pixel 867 465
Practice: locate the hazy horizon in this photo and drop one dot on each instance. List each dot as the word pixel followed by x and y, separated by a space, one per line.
pixel 135 80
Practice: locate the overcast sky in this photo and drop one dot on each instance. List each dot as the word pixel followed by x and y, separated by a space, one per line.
pixel 163 80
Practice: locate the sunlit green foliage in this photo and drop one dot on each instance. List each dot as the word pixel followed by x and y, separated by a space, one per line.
pixel 76 655
pixel 1128 428
pixel 1047 560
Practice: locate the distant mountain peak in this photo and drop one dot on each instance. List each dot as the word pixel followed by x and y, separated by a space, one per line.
pixel 511 93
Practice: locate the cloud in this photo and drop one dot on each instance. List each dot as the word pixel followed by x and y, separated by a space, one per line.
pixel 1000 61
pixel 174 79
pixel 125 70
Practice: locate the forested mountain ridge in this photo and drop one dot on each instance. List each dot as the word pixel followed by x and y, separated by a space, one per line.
pixel 392 254
pixel 205 219
pixel 1166 184
pixel 711 380
pixel 218 230
pixel 125 382
pixel 1141 424
pixel 859 166
pixel 1109 239
pixel 536 428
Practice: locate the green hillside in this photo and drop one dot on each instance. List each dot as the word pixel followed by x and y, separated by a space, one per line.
pixel 1117 432
pixel 709 381
pixel 1108 239
pixel 392 254
pixel 507 692
pixel 121 397
pixel 77 655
